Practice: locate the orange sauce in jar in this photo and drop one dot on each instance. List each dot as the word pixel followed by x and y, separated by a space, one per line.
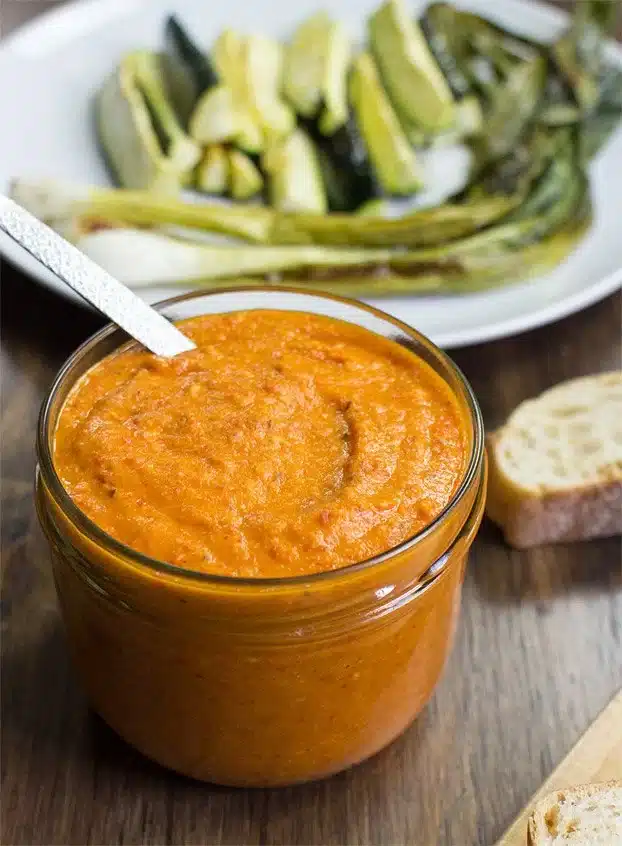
pixel 257 473
pixel 285 444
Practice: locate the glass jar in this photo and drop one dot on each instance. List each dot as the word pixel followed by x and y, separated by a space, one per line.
pixel 259 682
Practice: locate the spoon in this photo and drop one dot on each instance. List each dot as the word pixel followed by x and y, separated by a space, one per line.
pixel 95 285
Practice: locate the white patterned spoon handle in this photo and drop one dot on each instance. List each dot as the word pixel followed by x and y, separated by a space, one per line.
pixel 97 286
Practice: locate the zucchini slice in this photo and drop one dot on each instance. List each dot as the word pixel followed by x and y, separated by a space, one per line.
pixel 212 175
pixel 393 158
pixel 295 177
pixel 263 74
pixel 138 129
pixel 315 72
pixel 414 81
pixel 348 173
pixel 245 179
pixel 218 117
pixel 227 57
pixel 252 68
pixel 151 77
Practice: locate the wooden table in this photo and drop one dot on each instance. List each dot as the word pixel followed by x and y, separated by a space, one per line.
pixel 538 651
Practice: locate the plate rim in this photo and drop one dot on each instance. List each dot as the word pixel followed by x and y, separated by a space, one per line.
pixel 471 336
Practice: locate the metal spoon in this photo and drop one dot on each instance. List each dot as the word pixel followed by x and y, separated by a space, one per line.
pixel 95 285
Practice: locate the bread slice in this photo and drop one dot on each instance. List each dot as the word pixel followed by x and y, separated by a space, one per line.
pixel 555 467
pixel 590 815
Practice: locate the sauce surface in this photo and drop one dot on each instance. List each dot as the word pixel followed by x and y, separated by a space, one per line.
pixel 285 444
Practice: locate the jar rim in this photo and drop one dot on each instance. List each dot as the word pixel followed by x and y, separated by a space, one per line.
pixel 100 537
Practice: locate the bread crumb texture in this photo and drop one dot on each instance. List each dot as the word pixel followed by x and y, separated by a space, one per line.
pixel 582 816
pixel 568 438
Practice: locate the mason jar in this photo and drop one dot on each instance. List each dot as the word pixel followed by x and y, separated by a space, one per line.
pixel 259 681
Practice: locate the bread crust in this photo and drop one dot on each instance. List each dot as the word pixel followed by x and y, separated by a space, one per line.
pixel 537 829
pixel 529 520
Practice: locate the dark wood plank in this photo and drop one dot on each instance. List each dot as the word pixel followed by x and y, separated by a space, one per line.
pixel 537 656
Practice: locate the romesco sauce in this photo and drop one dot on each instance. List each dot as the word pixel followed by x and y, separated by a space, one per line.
pixel 286 444
pixel 255 472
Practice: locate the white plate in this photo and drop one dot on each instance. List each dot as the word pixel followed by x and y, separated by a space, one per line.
pixel 50 68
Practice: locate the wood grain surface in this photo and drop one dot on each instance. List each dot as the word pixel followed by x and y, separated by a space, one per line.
pixel 538 652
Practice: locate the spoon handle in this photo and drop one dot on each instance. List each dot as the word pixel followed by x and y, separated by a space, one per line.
pixel 93 283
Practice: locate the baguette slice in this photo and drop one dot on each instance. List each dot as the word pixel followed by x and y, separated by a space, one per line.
pixel 556 465
pixel 590 815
